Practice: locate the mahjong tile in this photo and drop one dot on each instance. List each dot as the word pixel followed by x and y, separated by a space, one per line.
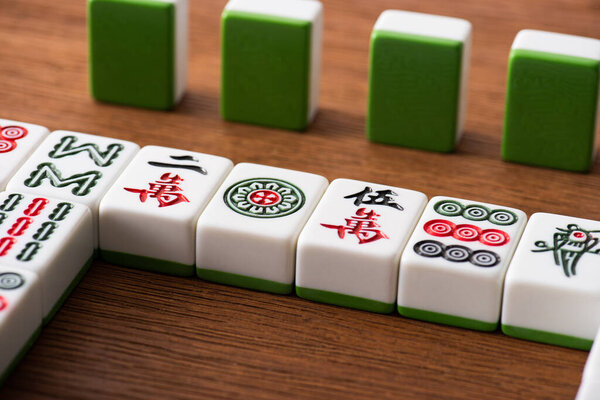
pixel 247 234
pixel 20 315
pixel 589 390
pixel 148 217
pixel 591 371
pixel 453 267
pixel 76 167
pixel 349 250
pixel 552 288
pixel 138 51
pixel 51 237
pixel 17 142
pixel 268 81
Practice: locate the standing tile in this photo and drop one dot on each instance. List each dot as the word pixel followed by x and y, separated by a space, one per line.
pixel 20 315
pixel 453 267
pixel 51 237
pixel 247 234
pixel 419 66
pixel 148 217
pixel 552 289
pixel 271 60
pixel 138 51
pixel 17 142
pixel 76 167
pixel 552 97
pixel 349 250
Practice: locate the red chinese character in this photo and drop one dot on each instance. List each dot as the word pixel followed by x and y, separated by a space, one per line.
pixel 165 190
pixel 362 225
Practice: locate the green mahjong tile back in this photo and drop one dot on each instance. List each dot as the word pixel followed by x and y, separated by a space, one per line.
pixel 551 105
pixel 265 69
pixel 414 90
pixel 132 52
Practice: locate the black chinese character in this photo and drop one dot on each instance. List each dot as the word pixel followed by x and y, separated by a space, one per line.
pixel 380 198
pixel 195 168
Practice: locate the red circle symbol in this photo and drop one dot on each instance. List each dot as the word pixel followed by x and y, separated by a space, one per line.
pixel 264 197
pixel 13 132
pixel 579 235
pixel 494 237
pixel 3 303
pixel 439 227
pixel 7 145
pixel 466 233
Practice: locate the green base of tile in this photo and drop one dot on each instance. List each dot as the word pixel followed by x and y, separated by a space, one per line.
pixel 344 300
pixel 69 289
pixel 147 263
pixel 20 355
pixel 547 337
pixel 244 281
pixel 447 319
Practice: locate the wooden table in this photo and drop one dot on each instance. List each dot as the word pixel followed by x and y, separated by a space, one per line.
pixel 131 334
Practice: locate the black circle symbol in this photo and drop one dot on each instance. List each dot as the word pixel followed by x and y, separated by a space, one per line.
pixel 476 212
pixel 449 208
pixel 503 217
pixel 484 258
pixel 11 280
pixel 429 248
pixel 456 253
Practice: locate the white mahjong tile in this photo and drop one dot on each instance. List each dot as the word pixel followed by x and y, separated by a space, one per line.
pixel 552 288
pixel 17 142
pixel 452 269
pixel 591 372
pixel 20 315
pixel 51 237
pixel 247 234
pixel 76 167
pixel 589 390
pixel 349 250
pixel 148 217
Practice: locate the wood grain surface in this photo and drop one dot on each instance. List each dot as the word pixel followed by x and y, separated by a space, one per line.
pixel 136 335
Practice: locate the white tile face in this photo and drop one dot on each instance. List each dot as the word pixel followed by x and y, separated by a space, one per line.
pixel 251 226
pixel 53 238
pixel 415 23
pixel 553 283
pixel 456 259
pixel 152 208
pixel 76 167
pixel 352 243
pixel 17 142
pixel 557 43
pixel 20 312
pixel 304 10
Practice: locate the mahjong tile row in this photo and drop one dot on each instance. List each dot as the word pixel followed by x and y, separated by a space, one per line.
pixel 358 244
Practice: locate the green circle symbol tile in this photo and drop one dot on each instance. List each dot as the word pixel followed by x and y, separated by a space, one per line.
pixel 264 198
